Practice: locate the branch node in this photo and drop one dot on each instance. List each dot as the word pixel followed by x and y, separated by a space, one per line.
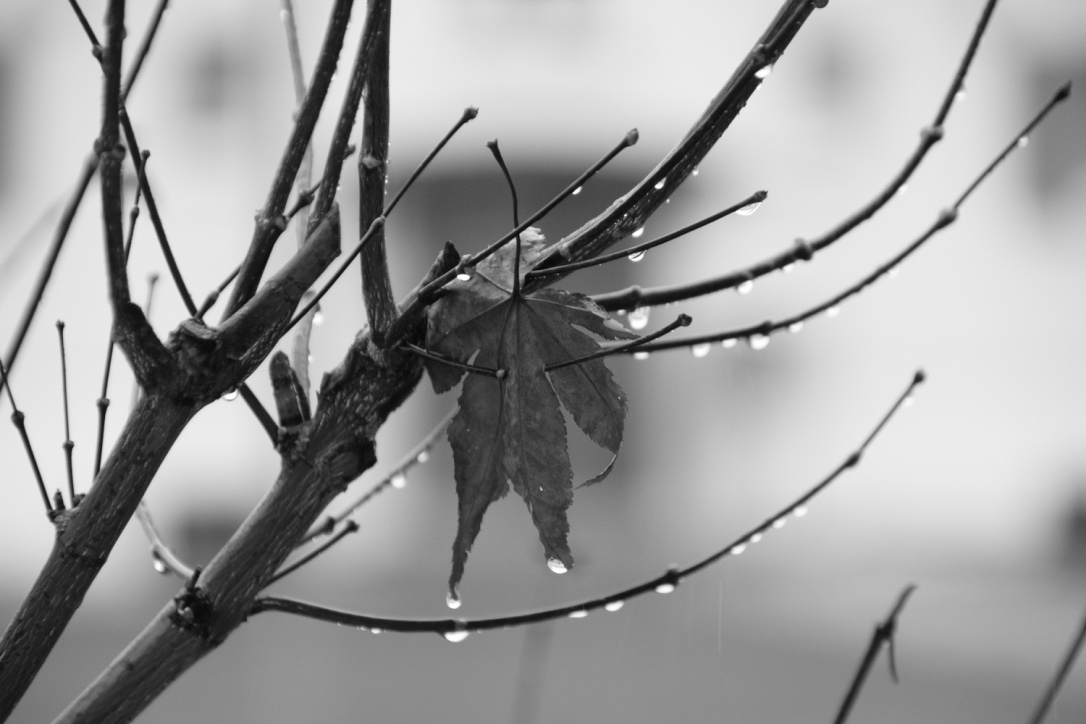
pixel 803 250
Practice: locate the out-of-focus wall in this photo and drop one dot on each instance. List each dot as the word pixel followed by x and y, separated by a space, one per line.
pixel 971 493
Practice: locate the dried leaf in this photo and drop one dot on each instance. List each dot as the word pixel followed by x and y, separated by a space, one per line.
pixel 510 428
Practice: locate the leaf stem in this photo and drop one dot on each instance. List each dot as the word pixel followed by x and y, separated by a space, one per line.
pixel 493 146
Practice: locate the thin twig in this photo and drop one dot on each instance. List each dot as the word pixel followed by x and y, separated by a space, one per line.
pixel 152 209
pixel 1045 704
pixel 417 455
pixel 342 533
pixel 804 249
pixel 162 556
pixel 945 218
pixel 371 232
pixel 469 114
pixel 435 357
pixel 415 304
pixel 19 420
pixel 269 222
pixel 456 629
pixel 300 346
pixel 756 198
pixel 883 636
pixel 64 224
pixel 68 445
pixel 683 320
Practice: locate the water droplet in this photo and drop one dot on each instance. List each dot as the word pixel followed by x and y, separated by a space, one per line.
pixel 376 630
pixel 318 318
pixel 638 233
pixel 901 189
pixel 639 318
pixel 749 208
pixel 795 327
pixel 577 191
pixel 1022 141
pixel 452 600
pixel 456 636
pixel 640 356
pixel 758 341
pixel 230 395
pixel 908 401
pixel 800 511
pixel 665 588
pixel 613 606
pixel 660 184
pixel 636 256
pixel 779 523
pixel 745 287
pixel 960 95
pixel 422 456
pixel 833 311
pixel 556 565
pixel 695 171
pixel 788 268
pixel 463 276
pixel 729 342
pixel 398 481
pixel 892 273
pixel 763 72
pixel 159 565
pixel 738 549
pixel 700 350
pixel 578 614
pixel 756 538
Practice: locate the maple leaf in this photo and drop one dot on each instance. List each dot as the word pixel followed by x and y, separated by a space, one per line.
pixel 509 428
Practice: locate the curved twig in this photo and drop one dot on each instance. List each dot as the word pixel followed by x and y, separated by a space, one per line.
pixel 457 629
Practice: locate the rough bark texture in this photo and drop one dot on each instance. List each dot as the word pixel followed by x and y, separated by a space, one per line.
pixel 319 459
pixel 85 537
pixel 372 173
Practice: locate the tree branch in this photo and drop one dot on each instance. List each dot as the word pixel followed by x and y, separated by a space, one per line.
pixel 269 221
pixel 327 453
pixel 457 630
pixel 380 304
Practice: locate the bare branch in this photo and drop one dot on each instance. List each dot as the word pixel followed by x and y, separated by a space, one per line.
pixel 1045 704
pixel 805 249
pixel 269 221
pixel 945 218
pixel 377 294
pixel 457 630
pixel 60 235
pixel 883 636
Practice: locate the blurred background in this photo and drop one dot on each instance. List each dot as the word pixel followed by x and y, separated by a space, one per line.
pixel 977 493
